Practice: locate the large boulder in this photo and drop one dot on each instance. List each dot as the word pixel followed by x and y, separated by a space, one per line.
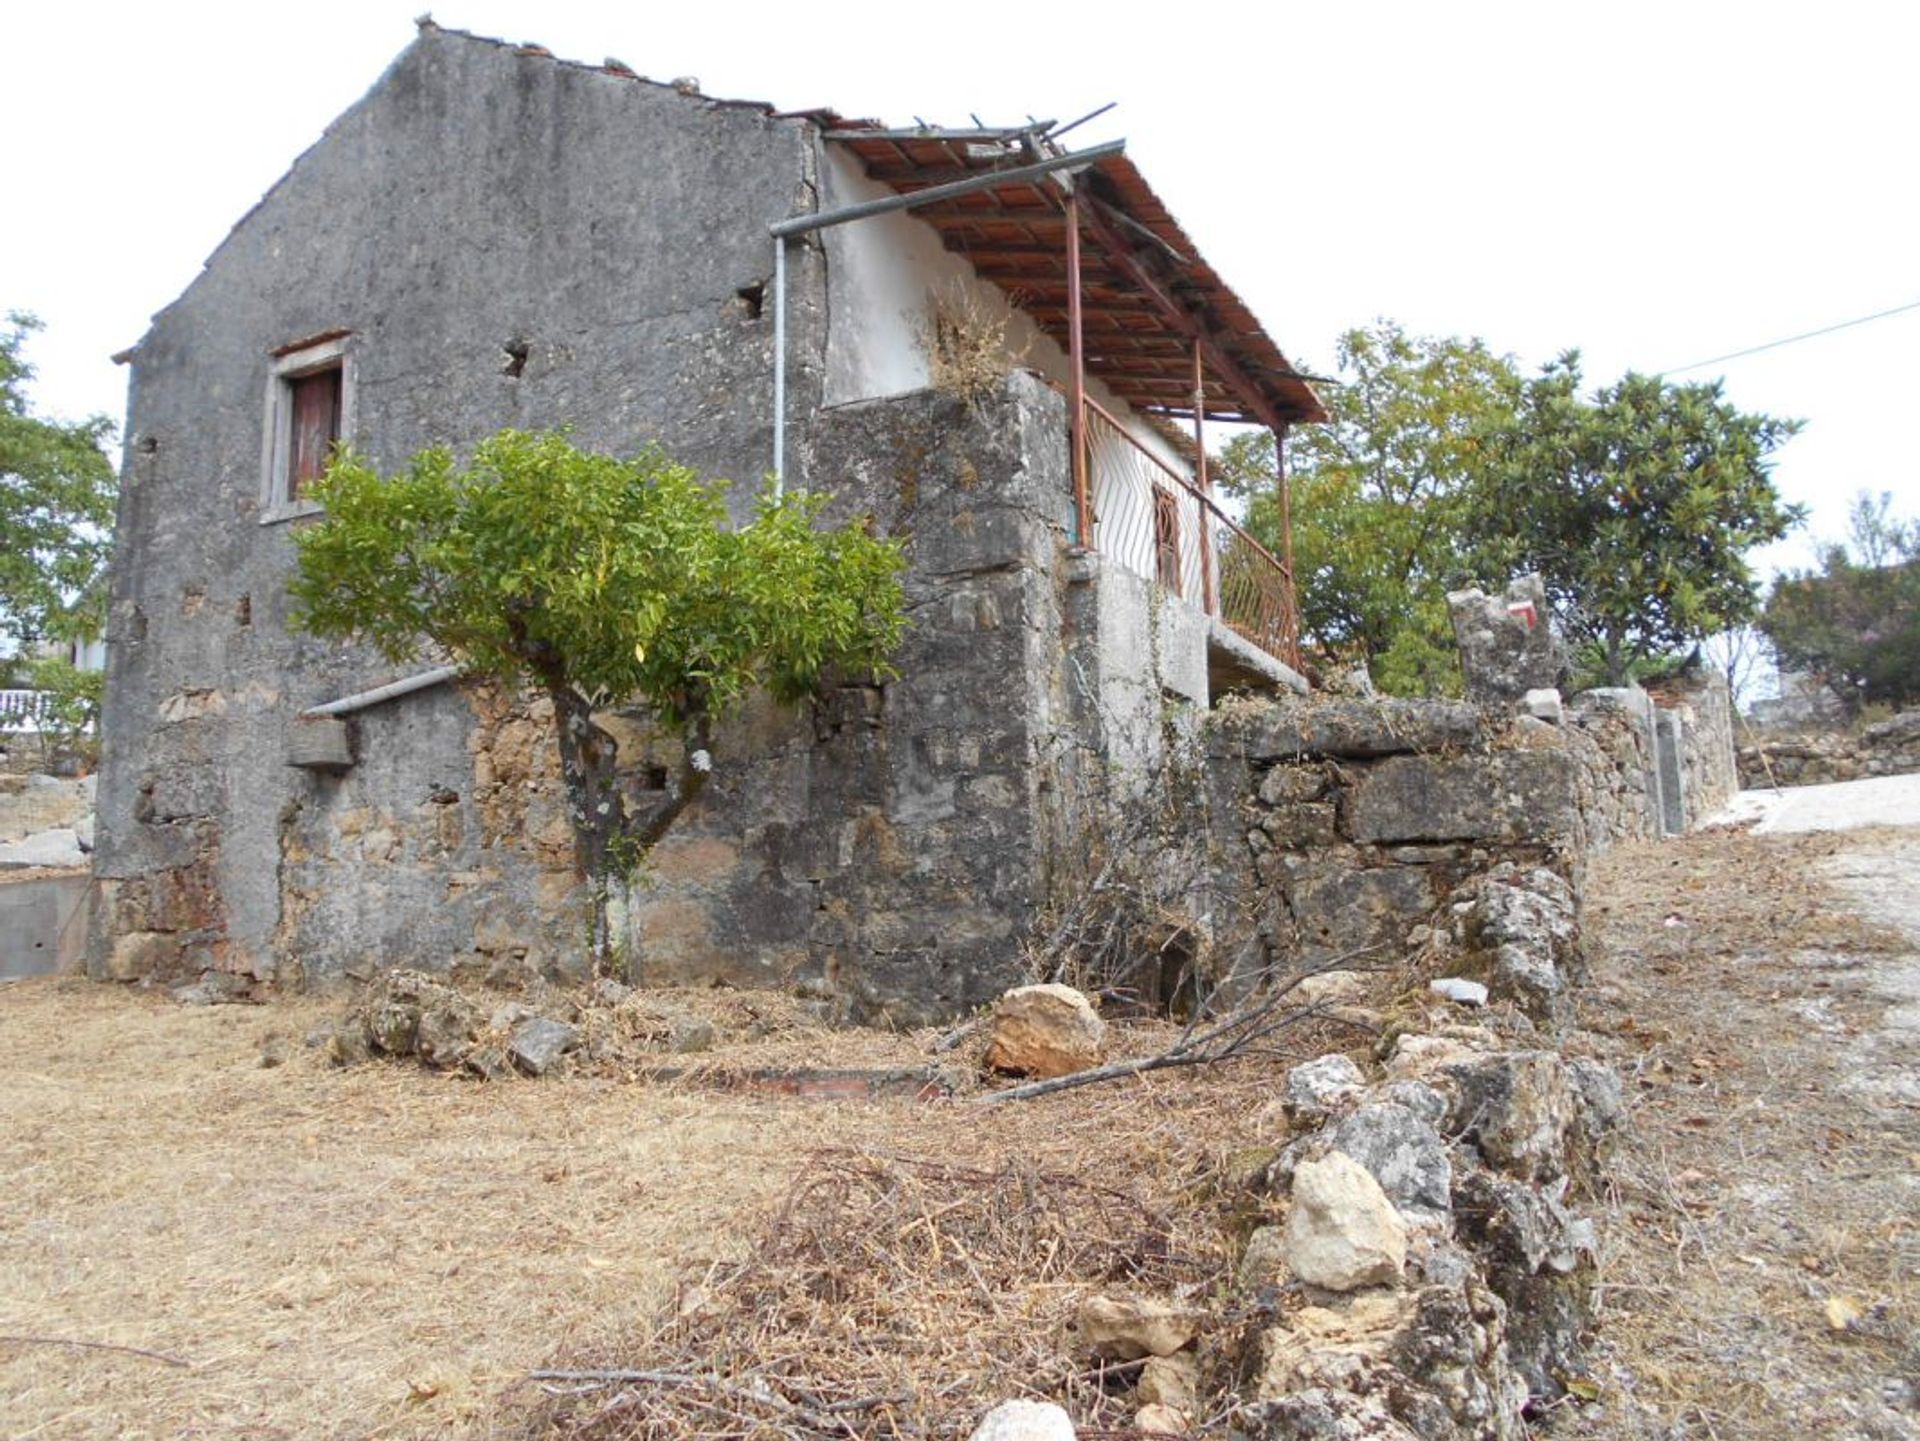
pixel 1343 1233
pixel 1045 1031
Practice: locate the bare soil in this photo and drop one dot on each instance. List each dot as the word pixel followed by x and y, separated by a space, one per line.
pixel 1761 1266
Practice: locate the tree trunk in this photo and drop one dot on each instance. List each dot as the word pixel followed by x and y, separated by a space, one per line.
pixel 1616 659
pixel 589 760
pixel 609 843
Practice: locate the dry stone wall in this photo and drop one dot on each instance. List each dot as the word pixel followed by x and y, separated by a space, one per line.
pixel 1340 825
pixel 1888 748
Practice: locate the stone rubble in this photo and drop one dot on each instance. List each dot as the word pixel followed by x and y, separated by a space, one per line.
pixel 1044 1031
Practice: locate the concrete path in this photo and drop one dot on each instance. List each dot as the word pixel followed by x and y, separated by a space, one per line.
pixel 1843 806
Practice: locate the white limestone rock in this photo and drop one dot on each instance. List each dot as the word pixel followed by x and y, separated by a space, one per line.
pixel 1343 1233
pixel 1022 1420
pixel 1314 1090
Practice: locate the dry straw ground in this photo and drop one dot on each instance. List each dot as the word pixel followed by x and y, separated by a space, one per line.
pixel 1761 1245
pixel 387 1252
pixel 383 1252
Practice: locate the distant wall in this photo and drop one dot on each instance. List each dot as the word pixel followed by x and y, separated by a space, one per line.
pixel 1821 757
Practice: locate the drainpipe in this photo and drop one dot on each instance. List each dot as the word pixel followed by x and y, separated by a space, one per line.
pixel 360 700
pixel 779 366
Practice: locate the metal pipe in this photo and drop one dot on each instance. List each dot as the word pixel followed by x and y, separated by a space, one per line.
pixel 1285 497
pixel 360 700
pixel 779 366
pixel 1077 380
pixel 985 180
pixel 1204 481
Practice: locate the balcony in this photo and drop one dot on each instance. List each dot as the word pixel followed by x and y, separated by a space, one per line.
pixel 1148 518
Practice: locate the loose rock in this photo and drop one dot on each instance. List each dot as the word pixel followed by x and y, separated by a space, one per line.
pixel 1158 1420
pixel 1126 1328
pixel 536 1044
pixel 1024 1421
pixel 1459 990
pixel 1343 1233
pixel 1045 1031
pixel 1315 1089
pixel 1170 1381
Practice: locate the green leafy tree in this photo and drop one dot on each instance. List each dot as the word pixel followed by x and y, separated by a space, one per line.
pixel 70 708
pixel 56 508
pixel 1381 495
pixel 601 582
pixel 1637 507
pixel 1854 621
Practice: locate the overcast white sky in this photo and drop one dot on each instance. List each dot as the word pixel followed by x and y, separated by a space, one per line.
pixel 1652 183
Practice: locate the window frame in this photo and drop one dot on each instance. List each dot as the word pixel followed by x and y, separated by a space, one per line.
pixel 336 352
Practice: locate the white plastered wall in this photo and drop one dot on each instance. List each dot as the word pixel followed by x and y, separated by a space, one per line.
pixel 882 276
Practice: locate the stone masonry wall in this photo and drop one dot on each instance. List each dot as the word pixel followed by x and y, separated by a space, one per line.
pixel 1342 824
pixel 1888 748
pixel 884 849
pixel 478 198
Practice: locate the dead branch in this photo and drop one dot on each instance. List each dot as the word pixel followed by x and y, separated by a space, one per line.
pixel 162 1357
pixel 1235 1036
pixel 829 1416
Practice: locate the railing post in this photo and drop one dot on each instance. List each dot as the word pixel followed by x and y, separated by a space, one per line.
pixel 1208 599
pixel 1290 610
pixel 1077 385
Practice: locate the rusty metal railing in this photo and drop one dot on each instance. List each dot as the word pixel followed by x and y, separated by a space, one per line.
pixel 1159 525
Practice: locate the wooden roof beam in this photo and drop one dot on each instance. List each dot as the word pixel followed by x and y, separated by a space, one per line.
pixel 1126 259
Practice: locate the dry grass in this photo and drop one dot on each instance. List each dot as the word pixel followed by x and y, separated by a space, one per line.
pixel 388 1252
pixel 969 350
pixel 373 1252
pixel 901 1289
pixel 1759 1185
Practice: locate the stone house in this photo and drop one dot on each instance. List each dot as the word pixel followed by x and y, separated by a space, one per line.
pixel 494 237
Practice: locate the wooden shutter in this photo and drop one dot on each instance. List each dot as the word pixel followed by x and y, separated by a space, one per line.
pixel 315 403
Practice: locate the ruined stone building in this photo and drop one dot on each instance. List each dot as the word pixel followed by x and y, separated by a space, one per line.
pixel 493 237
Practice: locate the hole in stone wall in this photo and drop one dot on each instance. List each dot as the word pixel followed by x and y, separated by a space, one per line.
pixel 137 624
pixel 653 778
pixel 243 610
pixel 516 361
pixel 147 444
pixel 752 299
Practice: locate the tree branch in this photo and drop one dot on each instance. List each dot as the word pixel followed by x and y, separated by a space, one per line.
pixel 1231 1038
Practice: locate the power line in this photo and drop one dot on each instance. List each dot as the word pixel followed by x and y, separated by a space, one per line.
pixel 1791 339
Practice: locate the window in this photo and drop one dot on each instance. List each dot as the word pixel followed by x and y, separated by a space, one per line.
pixel 309 411
pixel 1166 539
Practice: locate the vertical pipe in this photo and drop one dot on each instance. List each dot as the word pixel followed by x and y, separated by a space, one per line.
pixel 1077 393
pixel 1284 493
pixel 1202 480
pixel 779 366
